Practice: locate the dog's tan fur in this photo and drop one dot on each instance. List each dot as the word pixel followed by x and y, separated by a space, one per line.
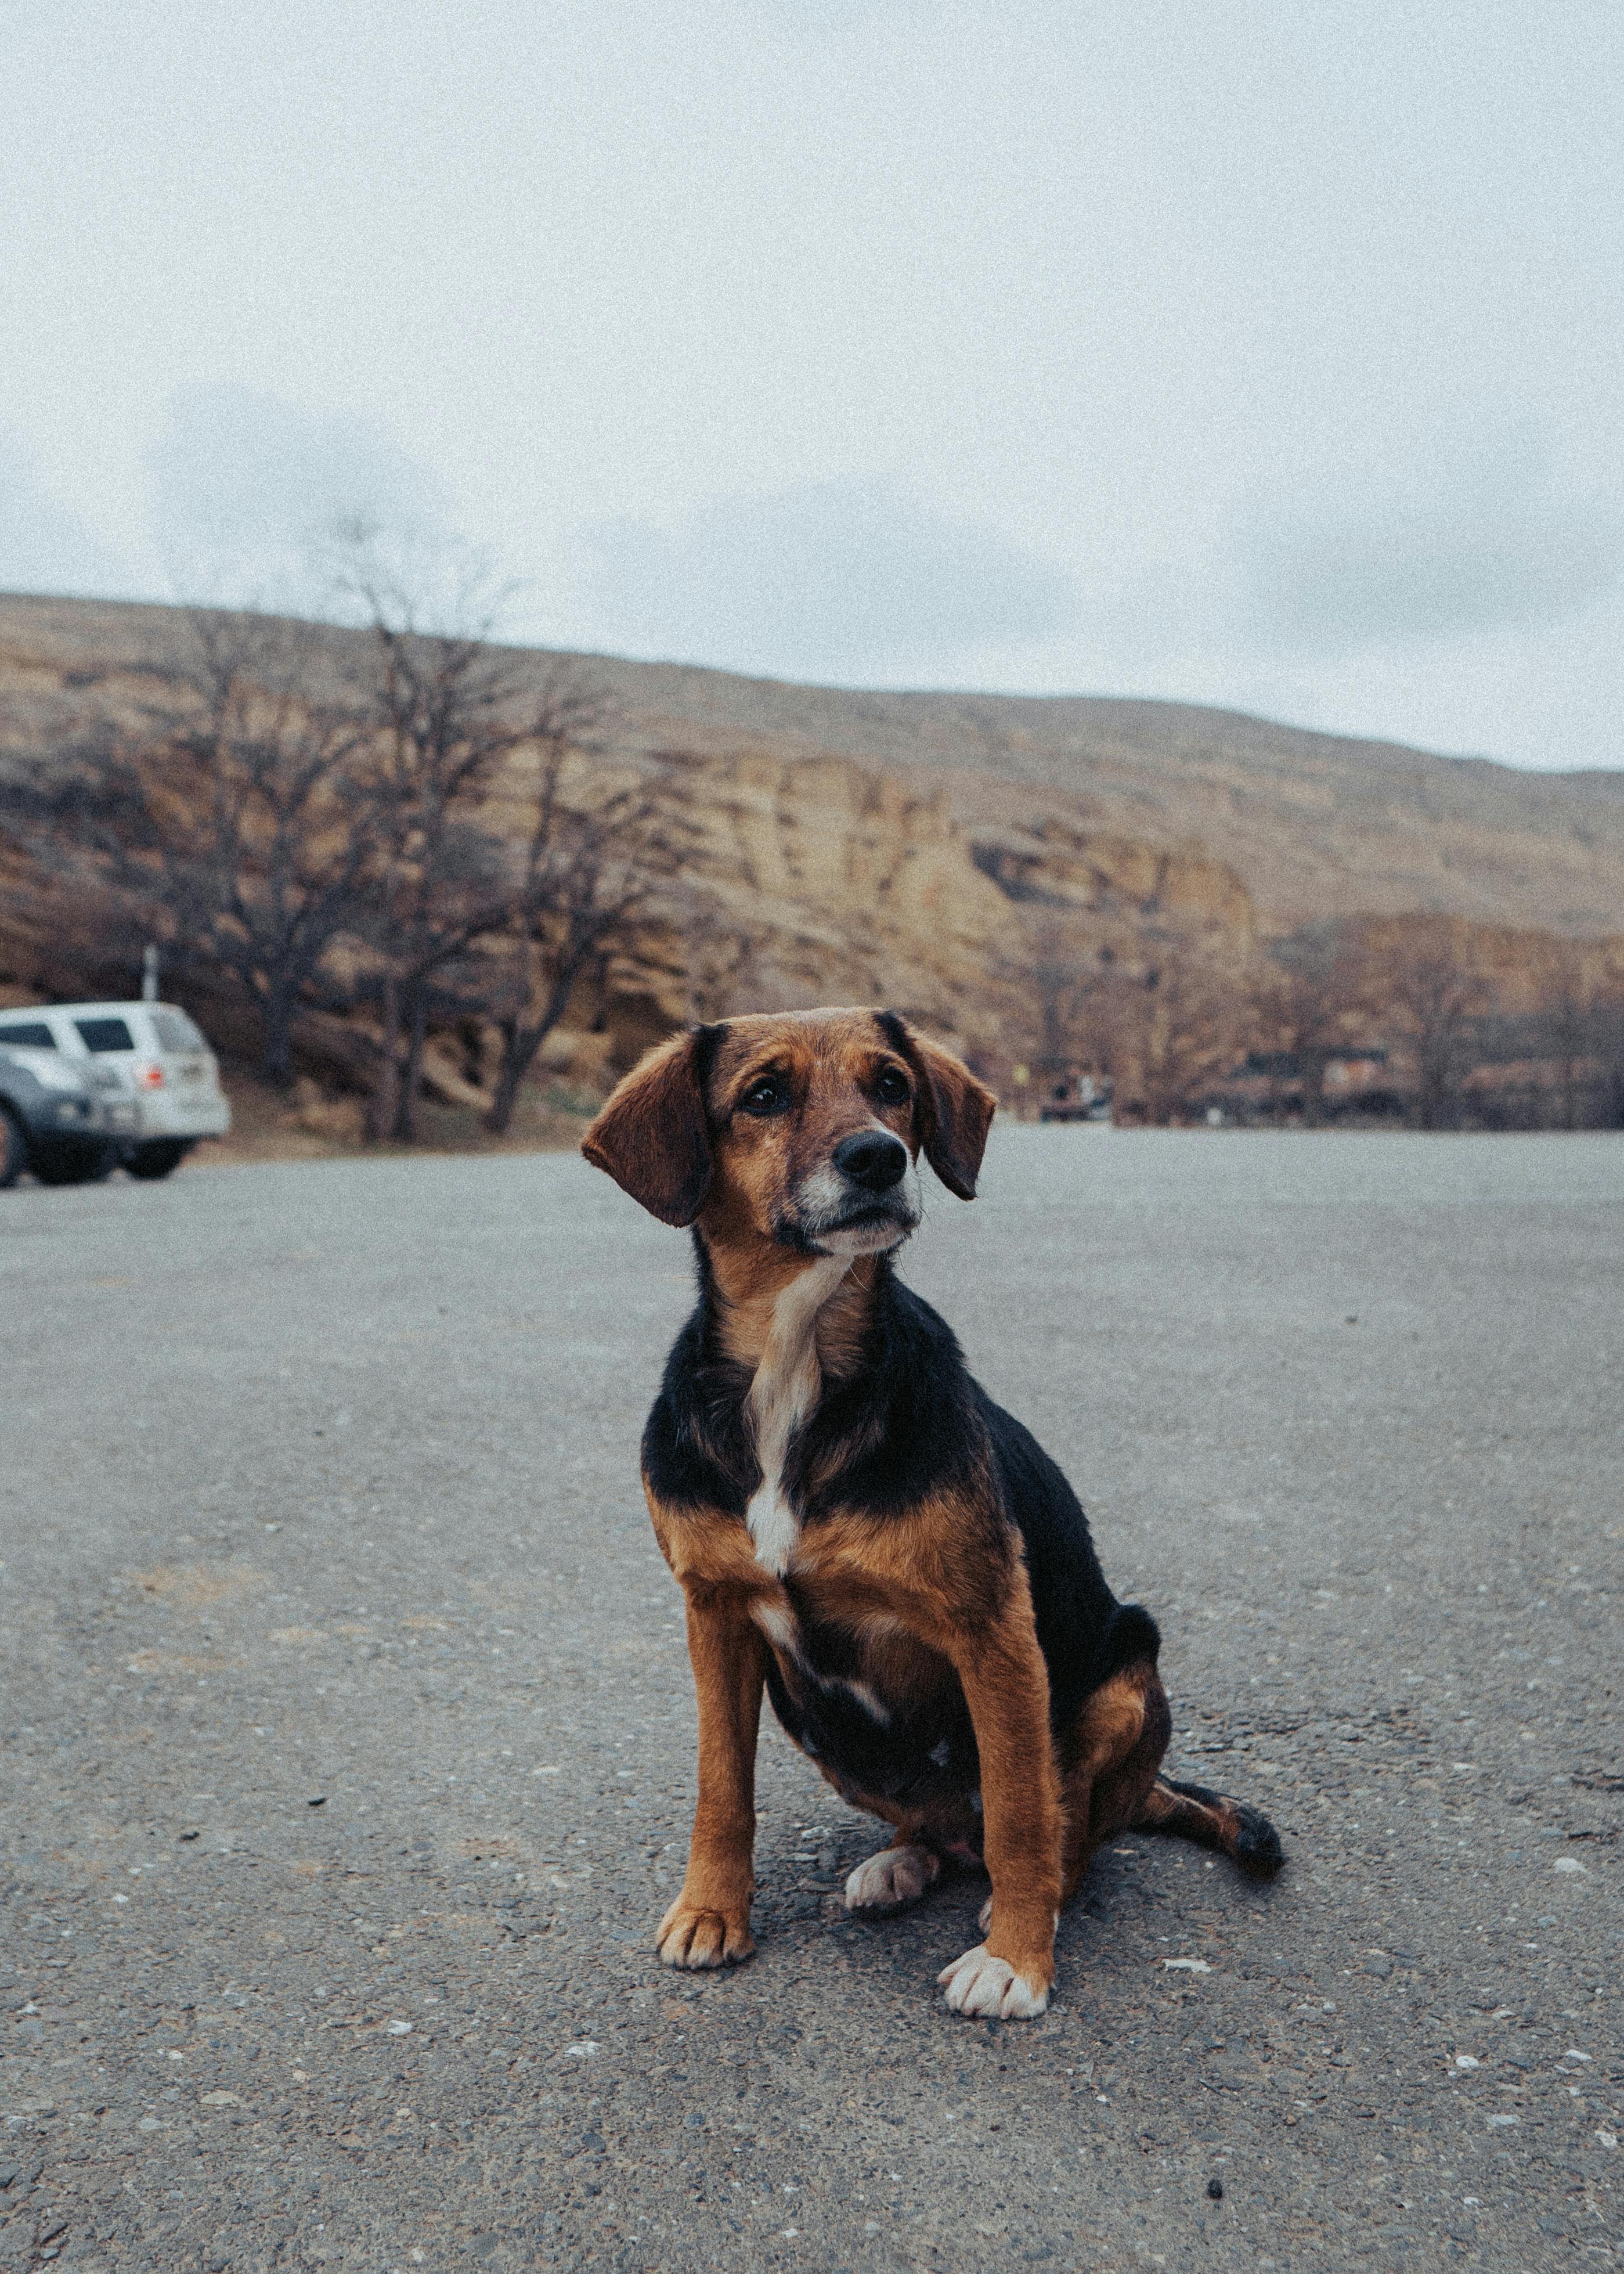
pixel 934 1595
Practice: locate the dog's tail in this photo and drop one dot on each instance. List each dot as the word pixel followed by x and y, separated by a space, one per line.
pixel 1190 1811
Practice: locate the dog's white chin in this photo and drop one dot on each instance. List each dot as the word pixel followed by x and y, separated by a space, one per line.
pixel 862 1238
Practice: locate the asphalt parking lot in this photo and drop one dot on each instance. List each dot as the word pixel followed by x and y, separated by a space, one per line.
pixel 348 1736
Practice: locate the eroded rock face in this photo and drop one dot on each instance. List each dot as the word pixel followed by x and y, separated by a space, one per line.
pixel 842 884
pixel 927 852
pixel 806 879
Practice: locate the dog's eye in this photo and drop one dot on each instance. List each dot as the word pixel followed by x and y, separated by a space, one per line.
pixel 765 1096
pixel 892 1089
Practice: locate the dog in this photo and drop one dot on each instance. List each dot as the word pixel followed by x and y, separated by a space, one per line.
pixel 857 1528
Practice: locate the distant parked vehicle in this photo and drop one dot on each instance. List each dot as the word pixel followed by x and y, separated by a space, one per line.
pixel 153 1076
pixel 55 1119
pixel 1084 1100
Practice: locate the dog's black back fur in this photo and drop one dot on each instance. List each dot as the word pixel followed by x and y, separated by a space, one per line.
pixel 909 1421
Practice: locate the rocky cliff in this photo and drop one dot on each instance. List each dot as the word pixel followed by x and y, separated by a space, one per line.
pixel 919 848
pixel 809 875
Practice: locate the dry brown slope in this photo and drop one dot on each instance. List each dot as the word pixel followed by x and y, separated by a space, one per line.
pixel 1314 824
pixel 808 877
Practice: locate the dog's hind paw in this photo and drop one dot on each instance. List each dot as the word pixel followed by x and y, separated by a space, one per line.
pixel 698 1938
pixel 892 1880
pixel 978 1983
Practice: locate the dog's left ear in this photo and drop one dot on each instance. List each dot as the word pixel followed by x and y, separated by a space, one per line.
pixel 953 1111
pixel 652 1136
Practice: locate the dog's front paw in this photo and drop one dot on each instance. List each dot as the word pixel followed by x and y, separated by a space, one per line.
pixel 978 1983
pixel 892 1880
pixel 694 1937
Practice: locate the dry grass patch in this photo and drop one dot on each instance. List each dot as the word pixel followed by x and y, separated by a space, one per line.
pixel 195 1587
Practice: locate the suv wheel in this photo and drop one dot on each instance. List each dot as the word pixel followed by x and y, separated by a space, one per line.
pixel 13 1151
pixel 72 1164
pixel 155 1160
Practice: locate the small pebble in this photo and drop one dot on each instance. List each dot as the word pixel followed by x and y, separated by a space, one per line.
pixel 1214 2188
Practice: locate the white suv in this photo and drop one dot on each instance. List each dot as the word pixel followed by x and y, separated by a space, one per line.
pixel 156 1074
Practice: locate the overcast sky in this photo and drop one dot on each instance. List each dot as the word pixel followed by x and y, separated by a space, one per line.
pixel 1264 355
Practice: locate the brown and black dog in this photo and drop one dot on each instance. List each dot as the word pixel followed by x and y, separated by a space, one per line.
pixel 856 1526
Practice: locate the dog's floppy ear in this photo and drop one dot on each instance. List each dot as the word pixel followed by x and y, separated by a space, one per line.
pixel 953 1111
pixel 652 1136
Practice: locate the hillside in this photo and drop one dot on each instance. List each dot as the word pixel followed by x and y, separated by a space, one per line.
pixel 807 876
pixel 1314 824
pixel 1310 824
pixel 981 863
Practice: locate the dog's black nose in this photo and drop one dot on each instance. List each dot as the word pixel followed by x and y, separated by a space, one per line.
pixel 872 1159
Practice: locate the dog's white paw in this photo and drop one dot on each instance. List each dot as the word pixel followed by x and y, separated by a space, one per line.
pixel 985 1920
pixel 694 1938
pixel 978 1983
pixel 892 1879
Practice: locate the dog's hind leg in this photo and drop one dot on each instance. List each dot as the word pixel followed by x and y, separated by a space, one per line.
pixel 895 1878
pixel 1122 1736
pixel 1115 1750
pixel 1212 1820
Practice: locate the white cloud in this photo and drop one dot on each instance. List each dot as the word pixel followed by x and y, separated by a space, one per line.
pixel 44 546
pixel 831 581
pixel 245 486
pixel 1465 539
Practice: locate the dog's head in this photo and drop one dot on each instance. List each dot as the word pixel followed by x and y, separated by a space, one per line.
pixel 802 1128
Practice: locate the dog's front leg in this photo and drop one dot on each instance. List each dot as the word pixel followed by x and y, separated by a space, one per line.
pixel 709 1924
pixel 1006 1684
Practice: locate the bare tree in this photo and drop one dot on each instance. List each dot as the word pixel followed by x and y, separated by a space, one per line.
pixel 590 864
pixel 1421 974
pixel 1179 1027
pixel 1305 997
pixel 233 817
pixel 450 714
pixel 436 811
pixel 1069 996
pixel 1606 1040
pixel 1062 1004
pixel 1569 1024
pixel 441 738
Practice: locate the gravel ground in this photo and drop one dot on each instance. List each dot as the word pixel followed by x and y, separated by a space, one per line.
pixel 349 1736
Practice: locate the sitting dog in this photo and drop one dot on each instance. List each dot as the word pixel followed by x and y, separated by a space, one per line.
pixel 857 1527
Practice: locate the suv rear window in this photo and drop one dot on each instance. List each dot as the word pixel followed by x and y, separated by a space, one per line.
pixel 175 1032
pixel 105 1035
pixel 34 1037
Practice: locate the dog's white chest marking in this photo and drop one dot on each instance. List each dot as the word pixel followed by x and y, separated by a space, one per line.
pixel 783 1392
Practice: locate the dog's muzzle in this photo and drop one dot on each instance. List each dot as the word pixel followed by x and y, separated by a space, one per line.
pixel 864 1199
